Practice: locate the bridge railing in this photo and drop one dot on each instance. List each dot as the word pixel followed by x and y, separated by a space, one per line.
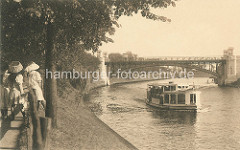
pixel 183 58
pixel 175 58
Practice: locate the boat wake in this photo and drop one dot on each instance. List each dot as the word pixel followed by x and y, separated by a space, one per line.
pixel 203 110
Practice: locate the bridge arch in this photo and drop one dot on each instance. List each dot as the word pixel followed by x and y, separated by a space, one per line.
pixel 214 74
pixel 187 66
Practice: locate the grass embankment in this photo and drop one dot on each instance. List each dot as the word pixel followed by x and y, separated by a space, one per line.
pixel 79 128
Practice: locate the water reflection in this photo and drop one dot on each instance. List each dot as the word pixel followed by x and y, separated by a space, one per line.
pixel 176 117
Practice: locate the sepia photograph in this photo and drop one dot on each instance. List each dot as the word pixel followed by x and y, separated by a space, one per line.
pixel 120 74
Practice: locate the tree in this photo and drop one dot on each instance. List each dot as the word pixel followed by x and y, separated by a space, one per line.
pixel 115 57
pixel 38 27
pixel 129 56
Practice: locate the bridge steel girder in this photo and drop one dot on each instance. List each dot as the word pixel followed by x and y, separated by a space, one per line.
pixel 191 64
pixel 165 62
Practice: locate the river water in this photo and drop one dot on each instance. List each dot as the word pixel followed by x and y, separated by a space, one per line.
pixel 216 125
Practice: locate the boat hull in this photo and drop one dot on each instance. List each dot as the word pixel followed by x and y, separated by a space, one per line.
pixel 172 106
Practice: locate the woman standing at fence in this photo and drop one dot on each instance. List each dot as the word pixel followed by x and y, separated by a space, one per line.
pixel 15 81
pixel 35 82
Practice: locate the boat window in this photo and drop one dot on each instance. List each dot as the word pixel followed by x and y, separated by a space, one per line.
pixel 173 88
pixel 153 92
pixel 192 98
pixel 181 98
pixel 156 91
pixel 166 98
pixel 160 89
pixel 161 99
pixel 173 99
pixel 166 88
pixel 179 87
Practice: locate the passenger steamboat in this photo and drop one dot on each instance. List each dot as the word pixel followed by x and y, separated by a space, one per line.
pixel 173 96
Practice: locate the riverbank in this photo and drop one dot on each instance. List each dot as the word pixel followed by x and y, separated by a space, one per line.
pixel 79 128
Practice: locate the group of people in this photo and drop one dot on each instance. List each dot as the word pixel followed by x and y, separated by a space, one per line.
pixel 16 81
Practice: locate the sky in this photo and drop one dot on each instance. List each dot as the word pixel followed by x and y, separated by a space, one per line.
pixel 198 28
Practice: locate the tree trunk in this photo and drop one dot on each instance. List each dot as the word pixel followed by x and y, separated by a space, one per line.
pixel 51 83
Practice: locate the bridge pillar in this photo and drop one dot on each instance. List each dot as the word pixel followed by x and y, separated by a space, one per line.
pixel 230 70
pixel 221 70
pixel 108 75
pixel 103 69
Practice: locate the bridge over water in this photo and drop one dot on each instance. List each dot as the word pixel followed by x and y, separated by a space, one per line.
pixel 225 69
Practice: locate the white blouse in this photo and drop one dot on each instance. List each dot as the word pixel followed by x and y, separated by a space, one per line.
pixel 34 78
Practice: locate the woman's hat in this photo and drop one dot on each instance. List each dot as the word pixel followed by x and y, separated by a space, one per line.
pixel 33 66
pixel 15 67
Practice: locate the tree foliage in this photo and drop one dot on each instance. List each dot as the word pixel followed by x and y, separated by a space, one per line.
pixel 115 57
pixel 81 22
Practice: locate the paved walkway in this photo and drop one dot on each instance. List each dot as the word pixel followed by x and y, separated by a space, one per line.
pixel 10 131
